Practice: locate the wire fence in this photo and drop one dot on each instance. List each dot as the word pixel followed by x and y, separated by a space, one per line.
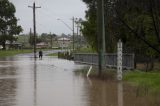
pixel 110 59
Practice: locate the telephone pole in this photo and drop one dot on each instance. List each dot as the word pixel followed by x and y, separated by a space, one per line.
pixel 34 26
pixel 51 39
pixel 30 37
pixel 73 20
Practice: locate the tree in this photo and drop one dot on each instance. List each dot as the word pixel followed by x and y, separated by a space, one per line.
pixel 136 22
pixel 141 23
pixel 128 20
pixel 8 22
pixel 31 39
pixel 89 28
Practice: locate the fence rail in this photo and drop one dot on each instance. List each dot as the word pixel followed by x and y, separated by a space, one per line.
pixel 110 59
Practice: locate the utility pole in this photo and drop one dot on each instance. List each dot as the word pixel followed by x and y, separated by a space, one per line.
pixel 78 22
pixel 51 40
pixel 34 26
pixel 77 40
pixel 101 34
pixel 30 37
pixel 73 31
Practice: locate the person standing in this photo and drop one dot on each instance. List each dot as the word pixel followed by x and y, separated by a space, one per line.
pixel 40 54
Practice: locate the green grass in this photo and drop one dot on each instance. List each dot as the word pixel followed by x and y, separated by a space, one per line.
pixel 151 80
pixel 53 54
pixel 144 81
pixel 85 50
pixel 4 53
pixel 106 75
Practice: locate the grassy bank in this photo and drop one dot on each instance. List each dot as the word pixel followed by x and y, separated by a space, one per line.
pixel 106 75
pixel 13 52
pixel 85 50
pixel 53 54
pixel 149 80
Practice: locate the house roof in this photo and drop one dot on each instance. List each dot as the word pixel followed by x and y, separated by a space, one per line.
pixel 64 39
pixel 41 43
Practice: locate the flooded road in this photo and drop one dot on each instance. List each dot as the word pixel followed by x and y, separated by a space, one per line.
pixel 52 82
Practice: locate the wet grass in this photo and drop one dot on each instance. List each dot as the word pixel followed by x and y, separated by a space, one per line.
pixel 85 50
pixel 147 80
pixel 53 54
pixel 4 53
pixel 106 74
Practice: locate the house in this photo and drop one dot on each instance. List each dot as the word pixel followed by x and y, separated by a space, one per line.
pixel 42 45
pixel 13 45
pixel 64 42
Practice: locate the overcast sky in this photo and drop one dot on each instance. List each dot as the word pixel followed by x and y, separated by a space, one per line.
pixel 47 15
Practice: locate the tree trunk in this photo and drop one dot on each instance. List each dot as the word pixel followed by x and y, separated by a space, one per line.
pixel 146 66
pixel 151 63
pixel 4 45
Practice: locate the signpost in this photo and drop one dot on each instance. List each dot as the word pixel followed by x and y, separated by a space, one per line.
pixel 119 60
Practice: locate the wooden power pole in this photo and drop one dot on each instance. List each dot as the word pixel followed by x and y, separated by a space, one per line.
pixel 34 26
pixel 73 32
pixel 30 37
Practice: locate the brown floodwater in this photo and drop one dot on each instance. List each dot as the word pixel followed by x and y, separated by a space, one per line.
pixel 52 82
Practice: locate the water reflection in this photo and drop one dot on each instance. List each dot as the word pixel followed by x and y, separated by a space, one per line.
pixel 120 93
pixel 35 83
pixel 112 93
pixel 7 92
pixel 102 93
pixel 8 83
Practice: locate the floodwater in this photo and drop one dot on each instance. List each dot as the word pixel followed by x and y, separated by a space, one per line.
pixel 52 82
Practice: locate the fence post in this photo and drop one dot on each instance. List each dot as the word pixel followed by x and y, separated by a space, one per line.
pixel 119 60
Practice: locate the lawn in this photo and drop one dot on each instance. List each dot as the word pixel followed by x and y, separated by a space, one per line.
pixel 4 53
pixel 85 50
pixel 150 80
pixel 53 54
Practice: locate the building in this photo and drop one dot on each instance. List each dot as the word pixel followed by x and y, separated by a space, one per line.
pixel 42 45
pixel 64 42
pixel 13 45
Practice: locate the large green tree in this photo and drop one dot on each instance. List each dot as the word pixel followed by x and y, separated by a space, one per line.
pixel 136 22
pixel 89 29
pixel 8 22
pixel 140 21
pixel 89 26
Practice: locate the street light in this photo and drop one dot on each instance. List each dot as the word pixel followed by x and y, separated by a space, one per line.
pixel 65 24
pixel 78 21
pixel 72 29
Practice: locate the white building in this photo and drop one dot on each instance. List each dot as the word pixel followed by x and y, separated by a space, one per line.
pixel 64 42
